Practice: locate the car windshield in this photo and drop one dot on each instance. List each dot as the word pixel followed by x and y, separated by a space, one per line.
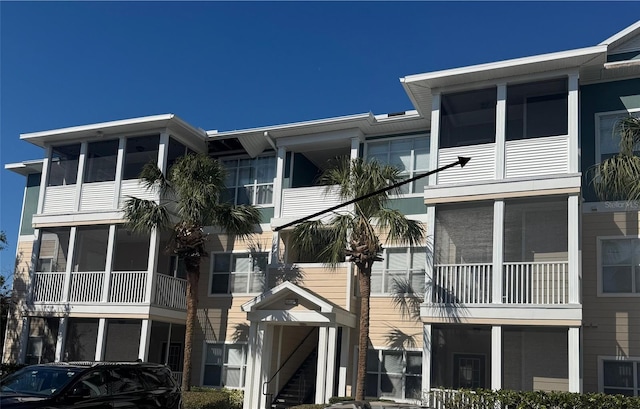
pixel 40 381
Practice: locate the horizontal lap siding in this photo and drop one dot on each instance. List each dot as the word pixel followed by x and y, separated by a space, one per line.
pixel 97 196
pixel 59 199
pixel 611 324
pixel 537 156
pixel 386 320
pixel 481 166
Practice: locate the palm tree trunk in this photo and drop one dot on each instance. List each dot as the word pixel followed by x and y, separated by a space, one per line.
pixel 364 280
pixel 193 275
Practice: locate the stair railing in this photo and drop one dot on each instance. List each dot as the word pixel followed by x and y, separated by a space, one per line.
pixel 265 385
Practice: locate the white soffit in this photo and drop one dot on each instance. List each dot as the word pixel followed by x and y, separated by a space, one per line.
pixel 25 168
pixel 622 36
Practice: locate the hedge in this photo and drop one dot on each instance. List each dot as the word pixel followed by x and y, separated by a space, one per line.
pixel 208 398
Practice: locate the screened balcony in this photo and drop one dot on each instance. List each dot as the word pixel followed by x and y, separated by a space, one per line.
pixel 532 268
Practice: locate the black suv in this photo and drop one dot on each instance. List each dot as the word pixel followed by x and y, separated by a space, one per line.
pixel 104 385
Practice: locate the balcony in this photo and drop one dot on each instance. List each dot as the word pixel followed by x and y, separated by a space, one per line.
pixel 128 288
pixel 304 201
pixel 523 283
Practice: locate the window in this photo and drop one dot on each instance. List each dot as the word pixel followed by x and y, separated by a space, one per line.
pixel 620 265
pixel 101 161
pixel 400 266
pixel 621 377
pixel 410 155
pixel 139 152
pixel 63 169
pixel 176 150
pixel 468 118
pixel 537 109
pixel 394 374
pixel 238 273
pixel 54 250
pixel 250 181
pixel 91 248
pixel 608 136
pixel 225 365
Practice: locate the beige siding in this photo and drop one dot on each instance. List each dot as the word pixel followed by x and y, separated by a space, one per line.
pixel 611 325
pixel 388 328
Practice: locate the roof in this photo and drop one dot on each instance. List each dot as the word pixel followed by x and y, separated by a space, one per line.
pixel 25 168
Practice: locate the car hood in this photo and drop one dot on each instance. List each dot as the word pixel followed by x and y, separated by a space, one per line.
pixel 21 401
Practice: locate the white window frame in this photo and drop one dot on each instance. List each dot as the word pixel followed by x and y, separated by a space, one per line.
pixel 242 367
pixel 600 290
pixel 409 251
pixel 410 172
pixel 636 368
pixel 404 373
pixel 255 183
pixel 598 117
pixel 249 273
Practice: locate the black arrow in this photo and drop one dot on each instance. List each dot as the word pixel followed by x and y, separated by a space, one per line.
pixel 461 161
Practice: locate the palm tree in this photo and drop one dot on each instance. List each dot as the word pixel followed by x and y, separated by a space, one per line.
pixel 618 177
pixel 191 198
pixel 354 234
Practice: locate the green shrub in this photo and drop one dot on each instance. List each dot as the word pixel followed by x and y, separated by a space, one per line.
pixel 9 368
pixel 206 398
pixel 337 399
pixel 236 398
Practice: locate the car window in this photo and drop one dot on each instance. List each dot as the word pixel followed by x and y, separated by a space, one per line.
pixel 92 385
pixel 123 380
pixel 42 381
pixel 157 378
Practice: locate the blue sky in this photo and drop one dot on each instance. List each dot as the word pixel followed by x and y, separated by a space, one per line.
pixel 234 65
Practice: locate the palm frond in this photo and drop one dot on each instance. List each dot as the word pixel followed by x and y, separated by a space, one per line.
pixel 145 215
pixel 152 177
pixel 628 129
pixel 617 178
pixel 400 229
pixel 238 220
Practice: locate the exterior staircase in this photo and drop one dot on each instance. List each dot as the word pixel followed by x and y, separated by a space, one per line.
pixel 301 386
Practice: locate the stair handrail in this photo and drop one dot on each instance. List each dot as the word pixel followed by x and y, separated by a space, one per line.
pixel 265 385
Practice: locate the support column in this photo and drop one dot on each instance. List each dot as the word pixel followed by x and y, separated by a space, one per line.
pixel 69 267
pixel 24 339
pixel 501 125
pixel 62 336
pixel 496 357
pixel 145 339
pixel 355 148
pixel 250 382
pixel 429 266
pixel 82 160
pixel 573 115
pixel 573 233
pixel 44 179
pixel 321 376
pixel 426 357
pixel 109 263
pixel 435 134
pixel 344 361
pixel 101 340
pixel 118 179
pixel 498 251
pixel 331 363
pixel 154 245
pixel 267 343
pixel 574 359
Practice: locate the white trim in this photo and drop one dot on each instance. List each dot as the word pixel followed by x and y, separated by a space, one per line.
pixel 496 357
pixel 597 119
pixel 434 147
pixel 600 291
pixel 426 357
pixel 573 339
pixel 44 180
pixel 496 312
pixel 249 273
pixel 253 305
pixel 498 251
pixel 602 358
pixel 321 366
pixel 620 35
pixel 101 339
pixel 501 130
pixel 573 248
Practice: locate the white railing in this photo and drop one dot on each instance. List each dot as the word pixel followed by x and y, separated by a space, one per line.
pixel 536 283
pixel 170 292
pixel 48 287
pixel 462 283
pixel 451 398
pixel 178 377
pixel 86 287
pixel 128 286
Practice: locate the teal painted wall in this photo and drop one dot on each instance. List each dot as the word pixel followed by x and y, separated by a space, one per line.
pixel 609 96
pixel 30 203
pixel 408 205
pixel 266 213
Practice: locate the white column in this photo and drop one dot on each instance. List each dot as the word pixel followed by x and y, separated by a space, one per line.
pixel 496 357
pixel 355 148
pixel 109 263
pixel 426 357
pixel 574 359
pixel 62 335
pixel 154 244
pixel 331 363
pixel 278 182
pixel 145 339
pixel 344 361
pixel 69 267
pixel 573 226
pixel 118 179
pixel 101 340
pixel 44 179
pixel 24 339
pixel 435 134
pixel 321 377
pixel 267 344
pixel 429 273
pixel 501 125
pixel 163 150
pixel 82 160
pixel 250 380
pixel 498 253
pixel 573 118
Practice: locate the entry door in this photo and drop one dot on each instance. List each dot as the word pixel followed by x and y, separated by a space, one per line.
pixel 469 371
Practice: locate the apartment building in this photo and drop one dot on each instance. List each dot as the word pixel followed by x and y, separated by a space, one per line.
pixel 529 281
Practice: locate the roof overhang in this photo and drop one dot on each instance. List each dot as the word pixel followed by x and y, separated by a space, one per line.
pixel 125 126
pixel 25 168
pixel 419 87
